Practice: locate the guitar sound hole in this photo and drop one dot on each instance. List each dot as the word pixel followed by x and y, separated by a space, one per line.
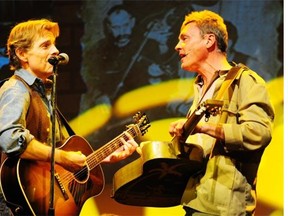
pixel 82 174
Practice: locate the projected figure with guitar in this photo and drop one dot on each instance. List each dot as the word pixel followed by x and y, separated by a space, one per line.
pixel 45 172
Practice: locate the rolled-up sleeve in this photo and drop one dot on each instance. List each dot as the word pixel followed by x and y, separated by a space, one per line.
pixel 251 110
pixel 14 103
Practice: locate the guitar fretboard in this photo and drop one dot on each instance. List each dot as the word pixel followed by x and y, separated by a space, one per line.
pixel 97 156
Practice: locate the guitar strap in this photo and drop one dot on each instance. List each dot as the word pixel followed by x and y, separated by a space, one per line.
pixel 233 73
pixel 65 123
pixel 231 76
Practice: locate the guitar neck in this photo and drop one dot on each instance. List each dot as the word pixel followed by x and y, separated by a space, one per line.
pixel 97 156
pixel 190 124
pixel 210 106
pixel 206 107
pixel 188 127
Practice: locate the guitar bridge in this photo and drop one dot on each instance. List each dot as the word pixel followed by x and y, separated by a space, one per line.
pixel 57 177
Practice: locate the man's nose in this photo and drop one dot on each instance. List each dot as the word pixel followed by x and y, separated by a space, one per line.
pixel 177 47
pixel 54 50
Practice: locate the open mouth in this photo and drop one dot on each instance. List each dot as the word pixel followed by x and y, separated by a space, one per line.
pixel 182 56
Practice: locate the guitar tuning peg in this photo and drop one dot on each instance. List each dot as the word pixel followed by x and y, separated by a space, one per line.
pixel 207 116
pixel 137 116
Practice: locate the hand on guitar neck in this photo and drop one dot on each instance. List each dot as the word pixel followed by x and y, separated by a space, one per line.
pixel 181 129
pixel 185 127
pixel 124 151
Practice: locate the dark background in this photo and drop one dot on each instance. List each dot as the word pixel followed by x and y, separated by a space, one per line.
pixel 69 82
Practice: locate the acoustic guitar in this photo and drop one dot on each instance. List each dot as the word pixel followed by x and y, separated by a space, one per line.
pixel 26 184
pixel 158 178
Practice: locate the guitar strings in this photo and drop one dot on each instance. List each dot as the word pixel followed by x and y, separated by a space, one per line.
pixel 93 160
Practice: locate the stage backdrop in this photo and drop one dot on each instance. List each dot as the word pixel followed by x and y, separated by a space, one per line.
pixel 129 65
pixel 122 63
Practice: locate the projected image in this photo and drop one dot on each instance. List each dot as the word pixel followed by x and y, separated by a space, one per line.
pixel 129 62
pixel 135 50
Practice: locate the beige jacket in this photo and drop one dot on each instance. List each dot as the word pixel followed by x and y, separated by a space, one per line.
pixel 228 184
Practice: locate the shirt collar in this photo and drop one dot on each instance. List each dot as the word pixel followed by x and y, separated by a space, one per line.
pixel 220 73
pixel 34 82
pixel 26 76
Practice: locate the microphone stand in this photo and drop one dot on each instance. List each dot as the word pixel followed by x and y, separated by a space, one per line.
pixel 51 210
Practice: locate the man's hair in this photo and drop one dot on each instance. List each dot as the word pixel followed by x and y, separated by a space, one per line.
pixel 24 34
pixel 116 9
pixel 209 23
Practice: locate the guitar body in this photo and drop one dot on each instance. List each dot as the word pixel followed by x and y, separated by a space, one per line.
pixel 157 178
pixel 26 184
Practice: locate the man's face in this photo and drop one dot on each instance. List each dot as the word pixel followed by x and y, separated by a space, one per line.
pixel 191 47
pixel 37 56
pixel 121 25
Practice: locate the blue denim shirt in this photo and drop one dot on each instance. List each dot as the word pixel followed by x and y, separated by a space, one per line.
pixel 14 104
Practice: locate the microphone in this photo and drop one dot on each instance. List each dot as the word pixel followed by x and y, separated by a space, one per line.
pixel 62 58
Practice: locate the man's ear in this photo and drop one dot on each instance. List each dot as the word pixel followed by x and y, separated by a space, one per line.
pixel 210 40
pixel 21 54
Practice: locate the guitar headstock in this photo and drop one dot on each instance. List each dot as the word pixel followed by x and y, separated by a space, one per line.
pixel 142 121
pixel 210 107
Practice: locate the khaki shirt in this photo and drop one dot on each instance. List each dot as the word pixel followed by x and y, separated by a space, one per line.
pixel 223 189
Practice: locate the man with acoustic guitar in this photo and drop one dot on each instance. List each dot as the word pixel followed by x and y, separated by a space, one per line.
pixel 25 116
pixel 233 142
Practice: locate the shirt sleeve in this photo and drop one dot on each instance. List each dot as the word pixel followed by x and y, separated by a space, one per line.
pixel 251 127
pixel 14 103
